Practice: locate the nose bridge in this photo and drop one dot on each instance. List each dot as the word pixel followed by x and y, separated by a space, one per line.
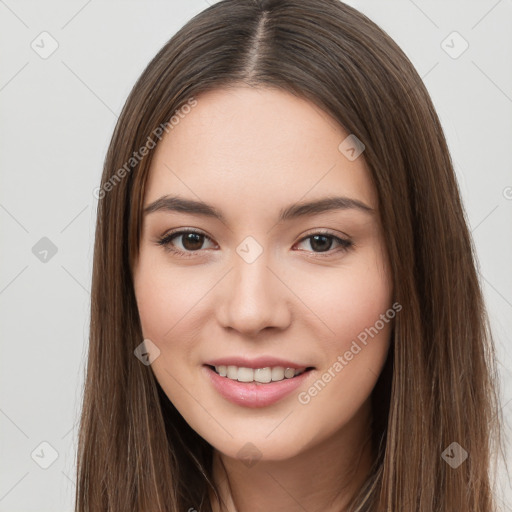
pixel 252 297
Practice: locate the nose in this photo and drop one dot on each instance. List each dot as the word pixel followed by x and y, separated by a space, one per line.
pixel 253 298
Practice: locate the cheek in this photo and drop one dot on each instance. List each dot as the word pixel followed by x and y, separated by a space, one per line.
pixel 167 297
pixel 349 300
pixel 358 310
pixel 157 309
pixel 168 301
pixel 357 304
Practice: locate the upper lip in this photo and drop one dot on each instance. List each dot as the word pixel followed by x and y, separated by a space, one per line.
pixel 258 362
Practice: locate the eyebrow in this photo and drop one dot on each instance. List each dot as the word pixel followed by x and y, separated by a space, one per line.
pixel 183 205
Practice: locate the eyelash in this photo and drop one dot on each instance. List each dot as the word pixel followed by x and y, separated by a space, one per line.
pixel 165 242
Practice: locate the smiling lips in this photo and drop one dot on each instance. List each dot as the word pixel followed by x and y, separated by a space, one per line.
pixel 255 383
pixel 254 394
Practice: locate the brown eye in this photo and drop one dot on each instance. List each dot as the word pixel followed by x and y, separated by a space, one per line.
pixel 184 242
pixel 192 241
pixel 324 242
pixel 321 243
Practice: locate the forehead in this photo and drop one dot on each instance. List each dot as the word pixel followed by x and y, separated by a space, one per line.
pixel 258 146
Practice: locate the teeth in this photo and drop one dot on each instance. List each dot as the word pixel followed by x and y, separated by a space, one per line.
pixel 261 375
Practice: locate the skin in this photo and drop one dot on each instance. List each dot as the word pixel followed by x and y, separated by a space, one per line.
pixel 251 152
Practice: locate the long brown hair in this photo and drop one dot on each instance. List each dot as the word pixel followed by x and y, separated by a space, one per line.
pixel 439 384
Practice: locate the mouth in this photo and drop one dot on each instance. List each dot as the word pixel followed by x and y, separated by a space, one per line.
pixel 242 388
pixel 267 375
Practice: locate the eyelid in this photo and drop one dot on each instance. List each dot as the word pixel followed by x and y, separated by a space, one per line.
pixel 324 231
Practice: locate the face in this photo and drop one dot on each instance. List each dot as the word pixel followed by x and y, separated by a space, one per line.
pixel 253 273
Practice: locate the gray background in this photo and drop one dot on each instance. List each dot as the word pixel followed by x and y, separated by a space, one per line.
pixel 57 117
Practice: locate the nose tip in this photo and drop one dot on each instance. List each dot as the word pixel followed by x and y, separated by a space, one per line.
pixel 252 299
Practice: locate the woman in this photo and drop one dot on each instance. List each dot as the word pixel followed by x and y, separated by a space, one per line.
pixel 286 312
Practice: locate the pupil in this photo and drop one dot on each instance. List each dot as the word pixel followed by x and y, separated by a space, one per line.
pixel 323 243
pixel 192 241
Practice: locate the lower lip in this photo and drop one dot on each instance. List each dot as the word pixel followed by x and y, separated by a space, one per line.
pixel 251 394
